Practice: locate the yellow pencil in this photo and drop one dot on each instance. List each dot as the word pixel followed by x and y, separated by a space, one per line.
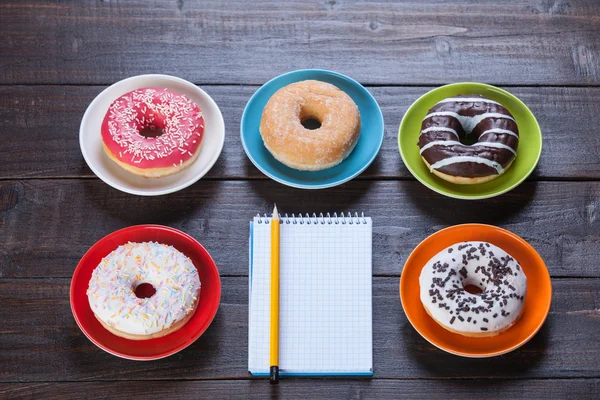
pixel 274 372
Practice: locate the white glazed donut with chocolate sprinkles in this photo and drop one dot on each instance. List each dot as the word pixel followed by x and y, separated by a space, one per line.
pixel 480 264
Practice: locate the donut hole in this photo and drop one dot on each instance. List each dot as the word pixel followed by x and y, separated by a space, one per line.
pixel 144 290
pixel 468 140
pixel 151 131
pixel 311 123
pixel 473 289
pixel 471 286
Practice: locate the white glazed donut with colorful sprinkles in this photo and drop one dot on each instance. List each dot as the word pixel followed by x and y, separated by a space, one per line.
pixel 112 298
pixel 480 264
pixel 153 132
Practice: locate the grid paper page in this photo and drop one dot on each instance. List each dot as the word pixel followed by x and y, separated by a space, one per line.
pixel 326 298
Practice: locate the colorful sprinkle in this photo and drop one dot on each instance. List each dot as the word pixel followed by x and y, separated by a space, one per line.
pixel 111 288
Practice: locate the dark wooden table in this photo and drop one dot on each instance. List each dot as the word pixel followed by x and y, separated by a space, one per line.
pixel 56 56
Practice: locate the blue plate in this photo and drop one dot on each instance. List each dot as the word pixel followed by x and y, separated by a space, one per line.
pixel 369 142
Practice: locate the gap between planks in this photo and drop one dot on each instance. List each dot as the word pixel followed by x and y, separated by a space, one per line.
pixel 382 276
pixel 308 378
pixel 266 178
pixel 368 85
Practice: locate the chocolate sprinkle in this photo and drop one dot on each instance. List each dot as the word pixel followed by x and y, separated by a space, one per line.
pixel 494 276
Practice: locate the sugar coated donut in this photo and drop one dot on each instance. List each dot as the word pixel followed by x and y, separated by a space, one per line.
pixel 153 132
pixel 112 297
pixel 479 264
pixel 454 121
pixel 310 149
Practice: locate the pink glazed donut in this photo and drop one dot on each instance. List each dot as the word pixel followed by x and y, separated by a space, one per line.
pixel 153 132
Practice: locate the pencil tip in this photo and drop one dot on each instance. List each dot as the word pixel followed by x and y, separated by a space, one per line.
pixel 275 213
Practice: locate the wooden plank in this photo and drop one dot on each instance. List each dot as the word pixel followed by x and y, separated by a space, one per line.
pixel 47 225
pixel 42 123
pixel 313 389
pixel 41 342
pixel 526 42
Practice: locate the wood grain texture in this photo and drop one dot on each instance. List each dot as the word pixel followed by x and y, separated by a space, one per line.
pixel 39 331
pixel 55 57
pixel 42 123
pixel 47 225
pixel 312 389
pixel 526 42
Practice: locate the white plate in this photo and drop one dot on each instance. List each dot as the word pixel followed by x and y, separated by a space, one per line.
pixel 90 138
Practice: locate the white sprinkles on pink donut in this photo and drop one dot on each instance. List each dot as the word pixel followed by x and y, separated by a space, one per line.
pixel 180 120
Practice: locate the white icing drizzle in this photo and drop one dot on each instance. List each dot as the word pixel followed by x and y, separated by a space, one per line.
pixel 455 143
pixel 461 159
pixel 496 145
pixel 440 129
pixel 468 100
pixel 499 131
pixel 439 143
pixel 481 264
pixel 468 123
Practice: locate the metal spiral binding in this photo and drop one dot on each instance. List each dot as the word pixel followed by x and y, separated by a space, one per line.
pixel 342 219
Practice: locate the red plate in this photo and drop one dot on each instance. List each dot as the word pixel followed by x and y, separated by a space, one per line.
pixel 152 349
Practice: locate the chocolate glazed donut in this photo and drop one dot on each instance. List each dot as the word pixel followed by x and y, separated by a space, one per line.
pixel 456 120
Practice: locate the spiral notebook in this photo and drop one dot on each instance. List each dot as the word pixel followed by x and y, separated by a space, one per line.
pixel 325 296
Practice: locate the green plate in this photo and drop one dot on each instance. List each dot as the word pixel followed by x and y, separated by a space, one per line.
pixel 528 152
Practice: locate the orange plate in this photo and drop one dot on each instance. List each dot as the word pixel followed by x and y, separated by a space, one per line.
pixel 537 302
